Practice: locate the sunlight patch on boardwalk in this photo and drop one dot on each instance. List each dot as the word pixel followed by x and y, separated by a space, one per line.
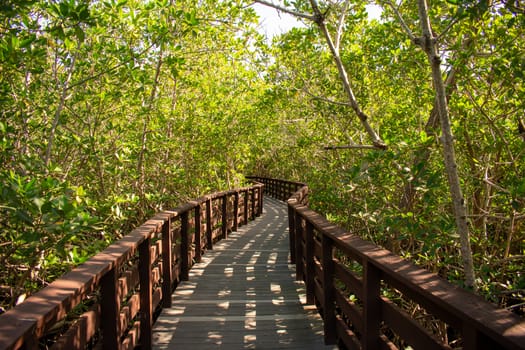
pixel 243 295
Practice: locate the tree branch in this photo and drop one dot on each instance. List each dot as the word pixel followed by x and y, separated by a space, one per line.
pixel 319 18
pixel 404 25
pixel 450 25
pixel 285 10
pixel 376 140
pixel 340 25
pixel 110 69
pixel 327 100
pixel 327 148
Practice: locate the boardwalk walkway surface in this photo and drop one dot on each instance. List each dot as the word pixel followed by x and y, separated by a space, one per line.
pixel 243 295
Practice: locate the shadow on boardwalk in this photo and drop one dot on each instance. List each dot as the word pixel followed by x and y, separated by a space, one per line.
pixel 243 295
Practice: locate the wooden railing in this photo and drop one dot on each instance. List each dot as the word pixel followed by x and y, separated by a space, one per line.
pixel 117 293
pixel 360 290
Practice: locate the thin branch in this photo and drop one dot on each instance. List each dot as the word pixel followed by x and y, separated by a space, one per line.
pixel 327 100
pixel 445 31
pixel 490 183
pixel 321 98
pixel 508 259
pixel 402 21
pixel 60 107
pixel 110 69
pixel 376 140
pixel 350 147
pixel 285 10
pixel 319 18
pixel 340 25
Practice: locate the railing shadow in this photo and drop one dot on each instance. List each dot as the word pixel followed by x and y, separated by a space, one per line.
pixel 111 301
pixel 242 295
pixel 349 279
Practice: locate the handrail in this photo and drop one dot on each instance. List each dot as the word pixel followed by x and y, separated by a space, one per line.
pixel 119 290
pixel 345 277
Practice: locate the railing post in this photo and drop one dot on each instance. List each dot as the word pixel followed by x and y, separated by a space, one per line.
pixel 310 268
pixel 253 203
pixel 184 247
pixel 261 199
pixel 470 338
pixel 225 216
pixel 371 306
pixel 299 234
pixel 474 339
pixel 236 211
pixel 209 232
pixel 110 309
pixel 330 333
pixel 258 201
pixel 246 208
pixel 198 241
pixel 291 228
pixel 167 263
pixel 146 285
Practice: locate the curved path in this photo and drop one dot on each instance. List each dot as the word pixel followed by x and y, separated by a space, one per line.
pixel 243 295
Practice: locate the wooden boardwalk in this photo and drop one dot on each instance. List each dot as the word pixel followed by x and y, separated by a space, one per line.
pixel 243 295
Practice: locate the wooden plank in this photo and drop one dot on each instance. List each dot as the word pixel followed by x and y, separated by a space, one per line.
pixel 184 247
pixel 146 285
pixel 409 330
pixel 132 339
pixel 346 336
pixel 155 251
pixel 155 275
pixel 450 303
pixel 129 312
pixel 242 295
pixel 128 281
pixel 350 310
pixel 167 262
pixel 330 336
pixel 352 282
pixel 110 310
pixel 371 307
pixel 197 234
pixel 80 332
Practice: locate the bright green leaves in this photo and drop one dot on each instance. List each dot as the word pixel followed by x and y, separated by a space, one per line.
pixel 190 18
pixel 175 62
pixel 70 11
pixel 473 9
pixel 41 218
pixel 42 203
pixel 164 91
pixel 70 16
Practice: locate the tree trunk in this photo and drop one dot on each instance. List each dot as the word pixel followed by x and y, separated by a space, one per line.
pixel 145 131
pixel 60 107
pixel 422 155
pixel 429 45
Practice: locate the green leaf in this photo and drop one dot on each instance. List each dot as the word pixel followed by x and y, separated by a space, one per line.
pixel 79 33
pixel 64 9
pixel 39 202
pixel 24 216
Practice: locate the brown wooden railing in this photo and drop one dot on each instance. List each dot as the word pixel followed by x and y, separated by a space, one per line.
pixel 118 292
pixel 359 290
